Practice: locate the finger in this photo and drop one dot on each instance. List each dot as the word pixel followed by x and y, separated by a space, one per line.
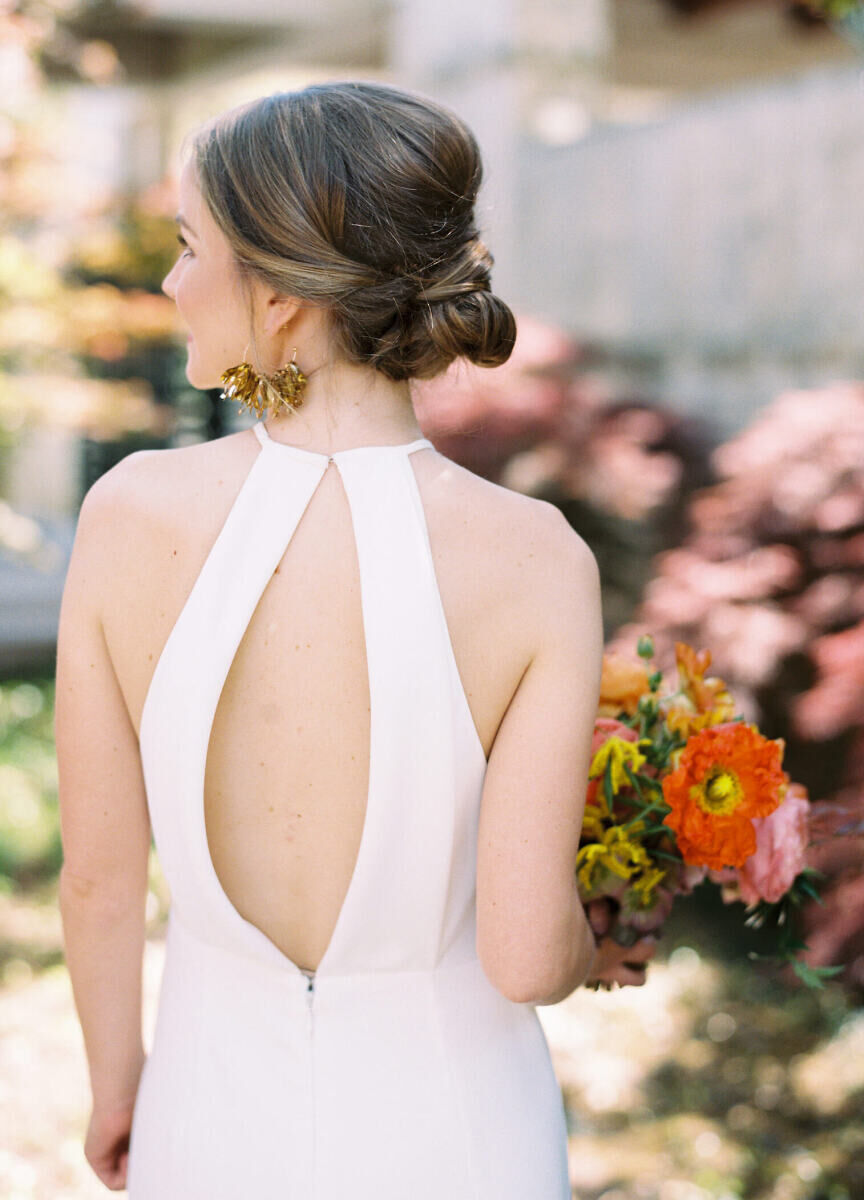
pixel 598 916
pixel 643 949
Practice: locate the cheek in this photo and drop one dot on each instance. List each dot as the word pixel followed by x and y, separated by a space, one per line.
pixel 194 300
pixel 199 290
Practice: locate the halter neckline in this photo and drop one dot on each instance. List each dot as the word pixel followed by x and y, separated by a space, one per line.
pixel 316 456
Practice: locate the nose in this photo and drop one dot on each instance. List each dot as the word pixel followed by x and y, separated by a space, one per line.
pixel 168 283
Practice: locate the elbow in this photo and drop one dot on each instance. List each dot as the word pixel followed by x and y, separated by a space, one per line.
pixel 76 888
pixel 548 990
pixel 541 978
pixel 522 985
pixel 526 990
pixel 524 994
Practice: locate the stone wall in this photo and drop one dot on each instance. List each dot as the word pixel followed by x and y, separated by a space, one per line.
pixel 717 254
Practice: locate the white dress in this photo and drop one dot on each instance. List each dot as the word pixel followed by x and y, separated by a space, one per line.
pixel 395 1071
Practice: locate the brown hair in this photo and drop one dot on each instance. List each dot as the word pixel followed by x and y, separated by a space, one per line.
pixel 360 197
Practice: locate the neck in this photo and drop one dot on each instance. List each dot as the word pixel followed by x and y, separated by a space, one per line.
pixel 346 406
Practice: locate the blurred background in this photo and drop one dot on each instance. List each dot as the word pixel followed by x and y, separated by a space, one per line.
pixel 673 198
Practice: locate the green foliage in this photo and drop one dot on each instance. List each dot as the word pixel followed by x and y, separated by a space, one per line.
pixel 135 250
pixel 30 845
pixel 82 292
pixel 836 8
pixel 782 917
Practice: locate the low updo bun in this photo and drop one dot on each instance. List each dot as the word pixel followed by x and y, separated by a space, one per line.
pixel 453 315
pixel 477 326
pixel 360 197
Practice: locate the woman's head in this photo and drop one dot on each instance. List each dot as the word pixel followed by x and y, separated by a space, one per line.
pixel 356 198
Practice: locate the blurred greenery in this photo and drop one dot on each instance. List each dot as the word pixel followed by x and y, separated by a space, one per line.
pixel 133 248
pixel 836 8
pixel 757 1095
pixel 30 846
pixel 87 339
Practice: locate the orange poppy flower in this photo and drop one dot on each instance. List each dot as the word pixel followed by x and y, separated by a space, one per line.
pixel 726 775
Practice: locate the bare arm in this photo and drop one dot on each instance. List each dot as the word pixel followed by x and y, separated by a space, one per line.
pixel 533 937
pixel 104 820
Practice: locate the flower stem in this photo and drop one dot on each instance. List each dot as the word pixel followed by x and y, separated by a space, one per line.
pixel 656 806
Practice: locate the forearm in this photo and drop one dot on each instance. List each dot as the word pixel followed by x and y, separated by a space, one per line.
pixel 579 956
pixel 104 939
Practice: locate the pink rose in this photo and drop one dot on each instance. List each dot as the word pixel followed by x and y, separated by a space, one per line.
pixel 781 840
pixel 607 727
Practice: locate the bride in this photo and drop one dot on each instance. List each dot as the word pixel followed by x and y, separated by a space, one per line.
pixel 348 686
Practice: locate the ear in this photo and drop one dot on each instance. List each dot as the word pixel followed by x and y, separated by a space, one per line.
pixel 279 311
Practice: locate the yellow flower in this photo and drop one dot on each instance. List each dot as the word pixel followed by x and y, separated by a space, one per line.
pixel 617 751
pixel 644 886
pixel 681 719
pixel 624 853
pixel 587 859
pixel 592 823
pixel 617 853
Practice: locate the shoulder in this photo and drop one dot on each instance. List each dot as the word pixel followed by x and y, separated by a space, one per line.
pixel 526 567
pixel 146 480
pixel 147 466
pixel 120 483
pixel 532 535
pixel 129 511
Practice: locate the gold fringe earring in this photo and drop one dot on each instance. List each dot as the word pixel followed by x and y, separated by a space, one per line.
pixel 283 390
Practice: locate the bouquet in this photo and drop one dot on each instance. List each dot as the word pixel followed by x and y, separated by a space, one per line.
pixel 681 788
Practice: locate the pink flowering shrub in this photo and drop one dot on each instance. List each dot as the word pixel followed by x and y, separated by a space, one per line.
pixel 770 574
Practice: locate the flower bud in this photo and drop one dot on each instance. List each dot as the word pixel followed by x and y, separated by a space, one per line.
pixel 645 646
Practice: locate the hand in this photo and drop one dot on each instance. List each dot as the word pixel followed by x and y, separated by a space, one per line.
pixel 106 1146
pixel 613 963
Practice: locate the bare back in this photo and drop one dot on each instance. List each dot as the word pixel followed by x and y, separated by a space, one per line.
pixel 287 768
